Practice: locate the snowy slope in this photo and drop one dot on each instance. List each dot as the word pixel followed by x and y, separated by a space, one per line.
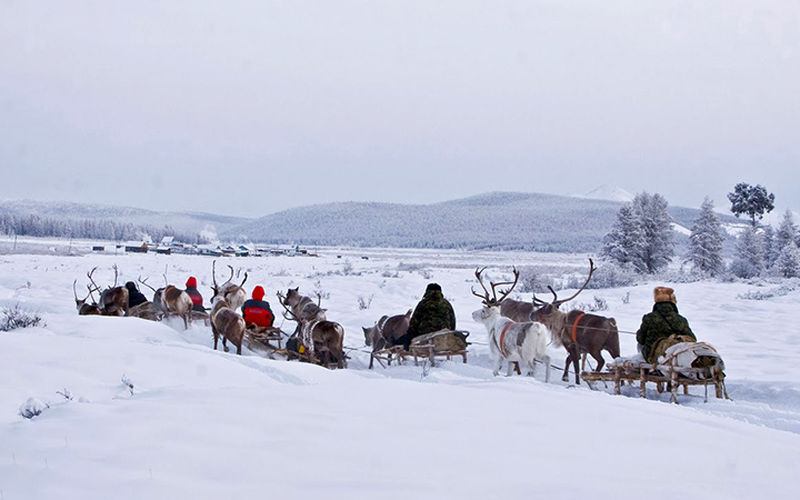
pixel 206 424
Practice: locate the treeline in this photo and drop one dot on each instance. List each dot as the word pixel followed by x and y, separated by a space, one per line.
pixel 100 229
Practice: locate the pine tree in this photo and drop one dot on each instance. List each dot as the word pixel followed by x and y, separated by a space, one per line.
pixel 751 200
pixel 657 247
pixel 749 261
pixel 789 261
pixel 787 232
pixel 705 242
pixel 770 250
pixel 622 243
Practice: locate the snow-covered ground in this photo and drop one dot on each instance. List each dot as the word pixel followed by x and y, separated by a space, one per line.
pixel 200 423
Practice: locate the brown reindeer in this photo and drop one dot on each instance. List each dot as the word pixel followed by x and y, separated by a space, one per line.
pixel 577 331
pixel 114 299
pixel 517 310
pixel 226 323
pixel 323 339
pixel 171 301
pixel 232 293
pixel 386 332
pixel 85 309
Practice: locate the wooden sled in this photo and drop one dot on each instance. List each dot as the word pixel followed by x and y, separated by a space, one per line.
pixel 262 336
pixel 423 347
pixel 662 375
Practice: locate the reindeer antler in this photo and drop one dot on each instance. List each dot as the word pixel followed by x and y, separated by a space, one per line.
pixel 557 302
pixel 493 300
pixel 231 276
pixel 245 279
pixel 505 293
pixel 144 282
pixel 89 275
pixel 281 300
pixel 116 274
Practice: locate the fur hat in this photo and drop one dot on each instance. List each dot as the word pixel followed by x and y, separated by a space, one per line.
pixel 433 287
pixel 664 294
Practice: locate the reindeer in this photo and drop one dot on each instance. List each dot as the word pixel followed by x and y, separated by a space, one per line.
pixel 386 332
pixel 510 341
pixel 114 299
pixel 323 339
pixel 578 331
pixel 85 309
pixel 233 294
pixel 171 301
pixel 304 307
pixel 226 323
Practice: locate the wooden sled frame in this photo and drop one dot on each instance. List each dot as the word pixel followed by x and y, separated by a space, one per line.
pixel 419 351
pixel 660 375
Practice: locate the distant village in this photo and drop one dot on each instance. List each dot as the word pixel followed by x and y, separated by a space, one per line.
pixel 169 245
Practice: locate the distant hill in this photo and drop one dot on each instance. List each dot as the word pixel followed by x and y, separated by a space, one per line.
pixel 502 220
pixel 187 222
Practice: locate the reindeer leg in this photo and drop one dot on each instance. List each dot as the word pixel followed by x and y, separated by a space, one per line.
pixel 510 369
pixel 575 361
pixel 565 376
pixel 546 361
pixel 225 343
pixel 499 364
pixel 600 361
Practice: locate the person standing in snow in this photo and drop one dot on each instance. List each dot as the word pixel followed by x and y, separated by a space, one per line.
pixel 663 327
pixel 256 311
pixel 194 294
pixel 135 297
pixel 433 313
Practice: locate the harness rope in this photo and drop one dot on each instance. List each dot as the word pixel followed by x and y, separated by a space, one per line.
pixel 575 327
pixel 502 337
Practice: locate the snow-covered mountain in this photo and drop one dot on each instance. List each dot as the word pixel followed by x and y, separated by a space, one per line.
pixel 610 193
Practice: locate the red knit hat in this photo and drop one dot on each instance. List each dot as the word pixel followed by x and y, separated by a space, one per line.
pixel 191 282
pixel 258 293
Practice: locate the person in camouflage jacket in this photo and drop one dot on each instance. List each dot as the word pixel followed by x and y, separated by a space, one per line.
pixel 433 313
pixel 663 327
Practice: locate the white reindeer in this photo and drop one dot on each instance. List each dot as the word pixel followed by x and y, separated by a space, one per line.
pixel 509 341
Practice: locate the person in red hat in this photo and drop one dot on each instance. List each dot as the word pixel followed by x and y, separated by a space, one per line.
pixel 256 311
pixel 194 294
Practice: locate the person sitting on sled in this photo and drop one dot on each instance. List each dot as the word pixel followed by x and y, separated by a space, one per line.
pixel 664 327
pixel 256 311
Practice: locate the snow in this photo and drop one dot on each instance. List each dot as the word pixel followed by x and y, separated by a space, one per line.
pixel 611 193
pixel 680 229
pixel 156 413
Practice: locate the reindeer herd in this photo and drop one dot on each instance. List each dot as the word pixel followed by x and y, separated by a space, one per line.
pixel 519 332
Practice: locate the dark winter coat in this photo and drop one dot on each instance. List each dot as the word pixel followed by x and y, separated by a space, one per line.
pixel 433 313
pixel 661 323
pixel 197 299
pixel 135 297
pixel 257 312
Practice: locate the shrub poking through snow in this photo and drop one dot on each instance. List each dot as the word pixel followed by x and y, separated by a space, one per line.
pixel 599 304
pixel 364 303
pixel 15 317
pixel 33 408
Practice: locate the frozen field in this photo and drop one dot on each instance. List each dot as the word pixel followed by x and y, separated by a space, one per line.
pixel 206 424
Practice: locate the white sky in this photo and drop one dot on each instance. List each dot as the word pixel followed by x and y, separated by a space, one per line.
pixel 251 107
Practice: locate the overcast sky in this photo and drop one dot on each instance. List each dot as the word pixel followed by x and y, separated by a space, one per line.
pixel 246 108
